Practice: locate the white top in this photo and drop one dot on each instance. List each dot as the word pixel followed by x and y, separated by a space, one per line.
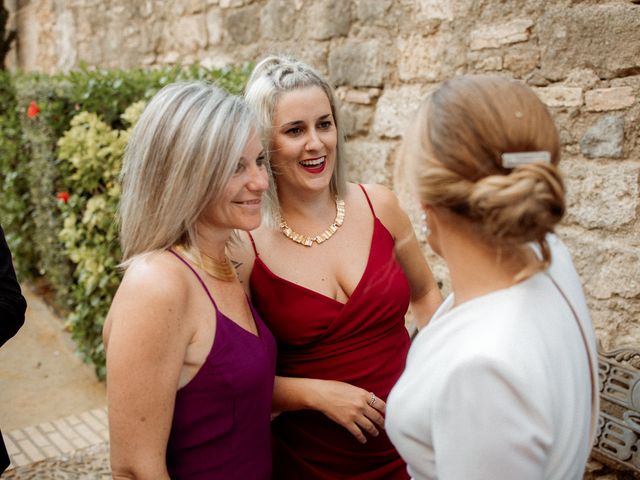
pixel 500 387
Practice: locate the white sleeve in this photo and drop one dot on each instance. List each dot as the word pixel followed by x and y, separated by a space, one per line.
pixel 486 427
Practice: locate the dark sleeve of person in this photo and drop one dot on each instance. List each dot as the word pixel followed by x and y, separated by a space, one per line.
pixel 12 303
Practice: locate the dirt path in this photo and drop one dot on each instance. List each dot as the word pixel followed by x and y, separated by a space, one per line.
pixel 41 379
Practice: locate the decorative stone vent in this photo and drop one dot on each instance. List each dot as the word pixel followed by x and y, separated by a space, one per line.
pixel 617 443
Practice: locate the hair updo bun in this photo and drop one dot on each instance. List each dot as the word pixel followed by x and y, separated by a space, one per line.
pixel 520 207
pixel 462 130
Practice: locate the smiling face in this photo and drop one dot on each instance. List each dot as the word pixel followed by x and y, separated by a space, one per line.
pixel 304 140
pixel 240 204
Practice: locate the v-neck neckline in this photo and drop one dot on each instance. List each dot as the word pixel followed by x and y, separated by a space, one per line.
pixel 322 295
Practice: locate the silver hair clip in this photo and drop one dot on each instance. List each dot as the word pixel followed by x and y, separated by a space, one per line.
pixel 515 159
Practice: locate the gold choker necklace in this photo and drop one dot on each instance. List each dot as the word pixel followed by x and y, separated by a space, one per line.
pixel 218 269
pixel 307 241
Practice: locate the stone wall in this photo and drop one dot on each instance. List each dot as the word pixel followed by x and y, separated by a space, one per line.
pixel 581 56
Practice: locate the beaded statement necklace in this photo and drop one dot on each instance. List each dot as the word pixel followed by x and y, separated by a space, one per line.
pixel 306 240
pixel 218 269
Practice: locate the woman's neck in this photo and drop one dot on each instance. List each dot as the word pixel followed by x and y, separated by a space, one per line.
pixel 213 241
pixel 314 204
pixel 477 268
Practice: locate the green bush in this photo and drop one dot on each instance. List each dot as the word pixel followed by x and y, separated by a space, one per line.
pixel 15 207
pixel 61 191
pixel 43 173
pixel 94 152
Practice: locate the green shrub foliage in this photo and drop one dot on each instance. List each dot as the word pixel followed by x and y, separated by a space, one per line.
pixel 94 153
pixel 15 207
pixel 60 165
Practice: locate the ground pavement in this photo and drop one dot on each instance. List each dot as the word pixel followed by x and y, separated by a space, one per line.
pixel 52 407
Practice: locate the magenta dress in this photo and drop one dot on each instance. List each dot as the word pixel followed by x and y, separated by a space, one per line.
pixel 220 427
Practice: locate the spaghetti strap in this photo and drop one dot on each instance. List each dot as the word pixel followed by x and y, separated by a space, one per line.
pixel 198 277
pixel 367 197
pixel 253 244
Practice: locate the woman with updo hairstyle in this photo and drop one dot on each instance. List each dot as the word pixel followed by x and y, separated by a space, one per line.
pixel 501 384
pixel 332 271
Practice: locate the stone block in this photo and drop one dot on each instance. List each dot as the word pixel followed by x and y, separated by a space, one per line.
pixel 371 11
pixel 355 119
pixel 367 161
pixel 278 20
pixel 632 81
pixel 603 37
pixel 214 27
pixel 582 77
pixel 607 268
pixel 217 60
pixel 603 99
pixel 169 58
pixel 494 36
pixel 190 32
pixel 521 61
pixel 430 59
pixel 536 79
pixel 439 10
pixel 605 138
pixel 328 19
pixel 559 96
pixel 358 64
pixel 243 24
pixel 65 35
pixel 492 63
pixel 312 53
pixel 601 196
pixel 234 3
pixel 362 97
pixel 395 108
pixel 189 7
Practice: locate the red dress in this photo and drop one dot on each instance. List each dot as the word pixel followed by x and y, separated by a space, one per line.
pixel 363 342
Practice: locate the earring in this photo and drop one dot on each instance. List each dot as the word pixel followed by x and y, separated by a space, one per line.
pixel 424 227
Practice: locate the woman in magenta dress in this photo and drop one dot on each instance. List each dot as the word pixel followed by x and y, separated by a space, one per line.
pixel 332 272
pixel 190 365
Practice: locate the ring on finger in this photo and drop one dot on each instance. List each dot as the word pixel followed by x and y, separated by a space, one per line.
pixel 372 400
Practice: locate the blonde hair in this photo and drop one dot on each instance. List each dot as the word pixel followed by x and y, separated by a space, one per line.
pixel 462 130
pixel 272 77
pixel 181 154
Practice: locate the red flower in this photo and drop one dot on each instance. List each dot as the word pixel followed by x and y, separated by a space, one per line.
pixel 63 196
pixel 33 109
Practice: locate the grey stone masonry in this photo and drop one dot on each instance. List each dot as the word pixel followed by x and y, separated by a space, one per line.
pixel 58 438
pixel 604 138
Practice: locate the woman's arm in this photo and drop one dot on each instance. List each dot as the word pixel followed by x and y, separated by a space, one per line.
pixel 345 404
pixel 425 294
pixel 145 341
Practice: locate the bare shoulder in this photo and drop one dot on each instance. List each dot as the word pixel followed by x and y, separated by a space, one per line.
pixel 154 291
pixel 158 275
pixel 387 207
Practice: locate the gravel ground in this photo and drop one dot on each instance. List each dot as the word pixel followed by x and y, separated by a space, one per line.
pixel 88 464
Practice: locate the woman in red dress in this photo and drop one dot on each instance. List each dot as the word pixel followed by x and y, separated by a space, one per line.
pixel 332 271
